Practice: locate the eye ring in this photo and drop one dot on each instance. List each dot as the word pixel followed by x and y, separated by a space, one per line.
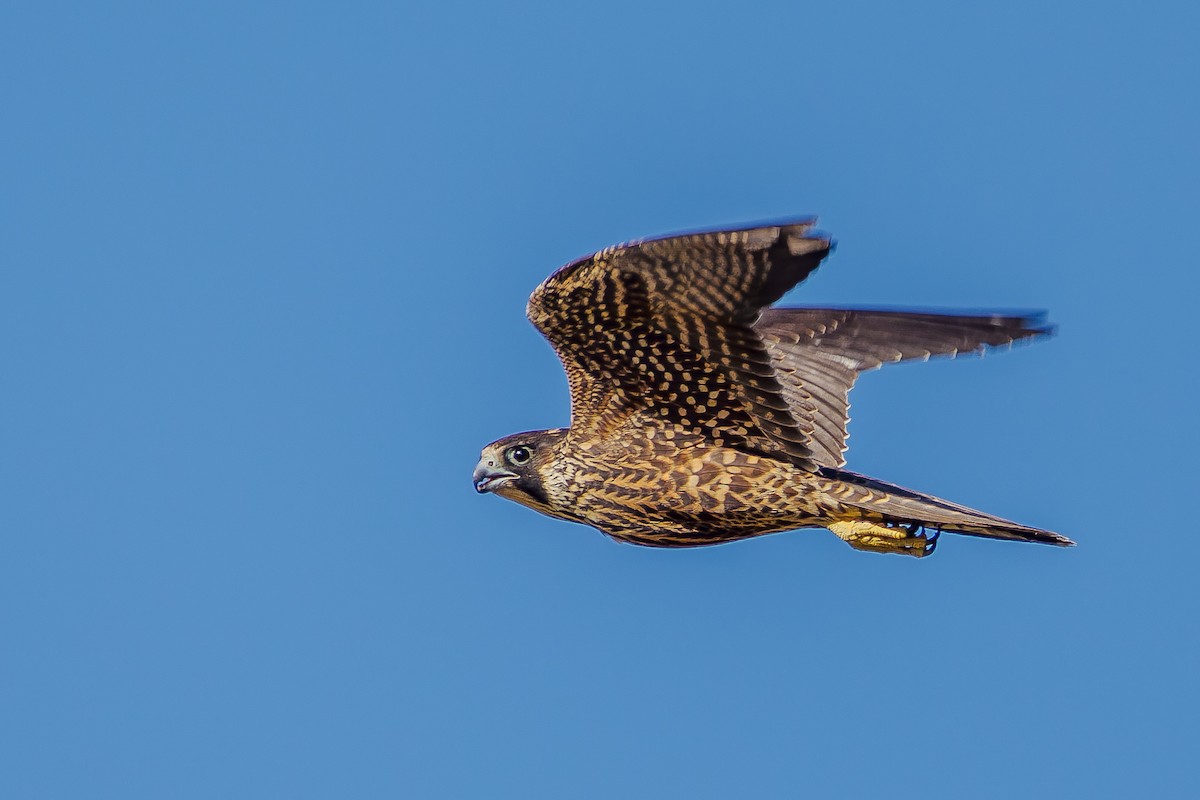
pixel 520 454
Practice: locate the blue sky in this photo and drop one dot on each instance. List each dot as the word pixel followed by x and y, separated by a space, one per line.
pixel 263 276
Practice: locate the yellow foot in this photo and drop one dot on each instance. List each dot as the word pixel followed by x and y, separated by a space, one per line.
pixel 877 537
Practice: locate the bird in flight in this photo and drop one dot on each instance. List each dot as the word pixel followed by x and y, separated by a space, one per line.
pixel 701 415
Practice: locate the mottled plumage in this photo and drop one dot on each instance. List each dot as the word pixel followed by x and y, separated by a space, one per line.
pixel 699 415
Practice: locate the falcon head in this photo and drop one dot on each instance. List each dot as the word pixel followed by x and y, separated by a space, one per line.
pixel 514 467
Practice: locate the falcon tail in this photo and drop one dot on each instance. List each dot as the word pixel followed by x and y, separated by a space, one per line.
pixel 906 506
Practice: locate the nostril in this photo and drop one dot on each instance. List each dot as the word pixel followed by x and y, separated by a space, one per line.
pixel 491 463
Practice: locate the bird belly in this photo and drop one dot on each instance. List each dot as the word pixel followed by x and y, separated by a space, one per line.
pixel 694 496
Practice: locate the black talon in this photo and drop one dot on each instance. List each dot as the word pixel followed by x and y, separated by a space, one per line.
pixel 932 538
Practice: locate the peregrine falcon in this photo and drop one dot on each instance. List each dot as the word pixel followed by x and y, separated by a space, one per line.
pixel 701 415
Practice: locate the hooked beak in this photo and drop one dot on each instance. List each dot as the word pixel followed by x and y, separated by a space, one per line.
pixel 488 478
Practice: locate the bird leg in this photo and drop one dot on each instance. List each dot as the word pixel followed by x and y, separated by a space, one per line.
pixel 877 537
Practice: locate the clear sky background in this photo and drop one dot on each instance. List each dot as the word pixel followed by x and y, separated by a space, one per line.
pixel 263 270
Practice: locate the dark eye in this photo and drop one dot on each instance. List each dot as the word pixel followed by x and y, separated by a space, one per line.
pixel 519 454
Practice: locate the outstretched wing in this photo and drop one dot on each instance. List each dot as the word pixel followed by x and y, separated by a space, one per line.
pixel 818 353
pixel 665 328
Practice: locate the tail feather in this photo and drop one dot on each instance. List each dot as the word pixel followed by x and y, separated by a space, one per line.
pixel 897 504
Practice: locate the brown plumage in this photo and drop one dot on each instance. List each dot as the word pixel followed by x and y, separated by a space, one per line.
pixel 700 416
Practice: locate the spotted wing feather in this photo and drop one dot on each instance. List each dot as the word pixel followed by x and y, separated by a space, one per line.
pixel 665 328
